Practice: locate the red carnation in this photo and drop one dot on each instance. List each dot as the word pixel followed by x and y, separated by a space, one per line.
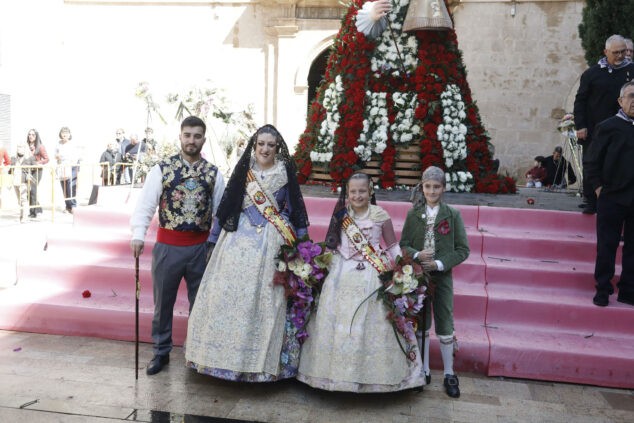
pixel 86 294
pixel 443 227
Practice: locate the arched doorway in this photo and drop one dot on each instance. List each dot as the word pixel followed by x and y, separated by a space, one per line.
pixel 316 74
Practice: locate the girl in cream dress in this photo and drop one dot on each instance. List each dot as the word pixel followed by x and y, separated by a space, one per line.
pixel 366 356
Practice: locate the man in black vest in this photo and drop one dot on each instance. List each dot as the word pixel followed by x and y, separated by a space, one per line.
pixel 596 100
pixel 187 190
pixel 610 172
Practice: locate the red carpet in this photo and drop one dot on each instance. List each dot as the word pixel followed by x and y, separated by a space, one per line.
pixel 523 299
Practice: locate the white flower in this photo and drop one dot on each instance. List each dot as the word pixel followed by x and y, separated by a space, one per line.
pixel 394 288
pixel 409 284
pixel 293 265
pixel 281 266
pixel 408 269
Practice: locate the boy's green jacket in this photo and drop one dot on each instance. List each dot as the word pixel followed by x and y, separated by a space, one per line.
pixel 452 247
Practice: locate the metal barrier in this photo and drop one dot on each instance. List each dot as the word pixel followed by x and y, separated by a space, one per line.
pixel 69 177
pixel 121 170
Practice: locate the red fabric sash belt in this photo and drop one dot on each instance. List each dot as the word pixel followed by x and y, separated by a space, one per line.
pixel 181 238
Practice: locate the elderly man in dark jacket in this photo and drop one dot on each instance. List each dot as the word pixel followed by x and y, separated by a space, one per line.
pixel 611 174
pixel 596 99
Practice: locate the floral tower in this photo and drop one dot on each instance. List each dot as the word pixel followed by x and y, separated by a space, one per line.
pixel 398 94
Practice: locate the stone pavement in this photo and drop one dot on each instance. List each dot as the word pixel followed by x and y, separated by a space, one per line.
pixel 51 378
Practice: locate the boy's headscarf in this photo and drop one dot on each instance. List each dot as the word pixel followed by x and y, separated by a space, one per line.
pixel 432 173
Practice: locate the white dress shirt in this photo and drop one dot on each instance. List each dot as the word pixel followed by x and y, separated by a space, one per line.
pixel 151 195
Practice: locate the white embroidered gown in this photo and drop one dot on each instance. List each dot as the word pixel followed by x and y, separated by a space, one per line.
pixel 238 328
pixel 366 358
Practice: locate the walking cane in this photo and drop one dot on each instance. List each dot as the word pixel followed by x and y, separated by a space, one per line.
pixel 138 291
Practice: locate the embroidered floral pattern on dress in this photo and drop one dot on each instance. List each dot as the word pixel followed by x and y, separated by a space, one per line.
pixel 430 237
pixel 250 337
pixel 363 357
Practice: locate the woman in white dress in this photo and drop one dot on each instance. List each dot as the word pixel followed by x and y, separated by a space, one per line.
pixel 239 328
pixel 364 355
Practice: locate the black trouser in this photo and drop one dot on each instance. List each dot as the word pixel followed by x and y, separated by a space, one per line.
pixel 589 196
pixel 33 193
pixel 69 188
pixel 612 220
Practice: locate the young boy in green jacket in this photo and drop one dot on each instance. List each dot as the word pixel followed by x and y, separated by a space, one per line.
pixel 435 234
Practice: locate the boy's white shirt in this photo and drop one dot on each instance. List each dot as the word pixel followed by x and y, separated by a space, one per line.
pixel 432 211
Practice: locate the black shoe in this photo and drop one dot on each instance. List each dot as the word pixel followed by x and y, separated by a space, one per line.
pixel 625 298
pixel 451 386
pixel 427 379
pixel 157 364
pixel 583 205
pixel 601 298
pixel 589 210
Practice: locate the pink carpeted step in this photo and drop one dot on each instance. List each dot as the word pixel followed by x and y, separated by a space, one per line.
pixel 527 220
pixel 114 242
pixel 563 312
pixel 578 357
pixel 103 315
pixel 529 277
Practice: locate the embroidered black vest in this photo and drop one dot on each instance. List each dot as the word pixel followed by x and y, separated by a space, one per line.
pixel 186 201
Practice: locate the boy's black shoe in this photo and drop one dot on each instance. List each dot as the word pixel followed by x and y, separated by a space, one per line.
pixel 589 209
pixel 625 297
pixel 451 386
pixel 427 379
pixel 157 364
pixel 601 298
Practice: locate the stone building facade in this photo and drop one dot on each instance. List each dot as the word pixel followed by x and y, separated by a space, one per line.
pixel 76 63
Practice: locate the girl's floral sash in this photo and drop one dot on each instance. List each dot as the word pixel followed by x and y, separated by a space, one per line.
pixel 266 208
pixel 361 244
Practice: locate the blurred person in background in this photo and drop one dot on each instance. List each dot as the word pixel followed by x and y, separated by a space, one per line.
pixel 22 178
pixel 107 171
pixel 38 152
pixel 4 161
pixel 67 156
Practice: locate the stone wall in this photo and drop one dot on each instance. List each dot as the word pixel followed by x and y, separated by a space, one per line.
pixel 523 71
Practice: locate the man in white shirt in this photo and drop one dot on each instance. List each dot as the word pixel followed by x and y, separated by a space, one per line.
pixel 187 190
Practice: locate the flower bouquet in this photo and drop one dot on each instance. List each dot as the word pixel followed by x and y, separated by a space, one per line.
pixel 301 270
pixel 566 124
pixel 567 127
pixel 402 292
